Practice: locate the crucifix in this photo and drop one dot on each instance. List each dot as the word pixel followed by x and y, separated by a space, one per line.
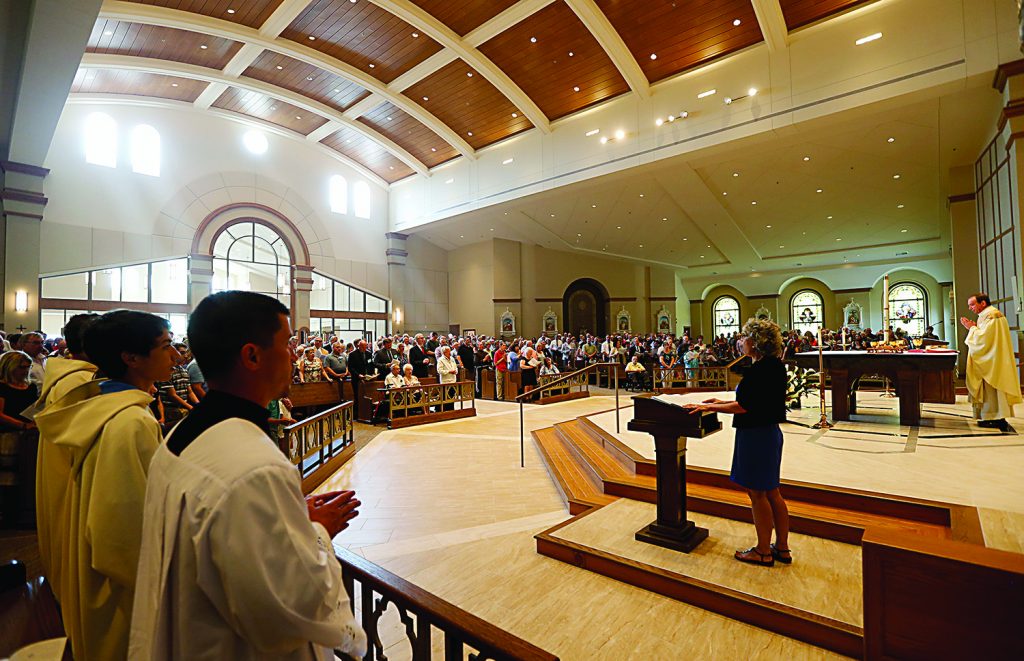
pixel 22 329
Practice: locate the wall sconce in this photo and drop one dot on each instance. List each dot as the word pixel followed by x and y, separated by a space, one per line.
pixel 397 316
pixel 21 301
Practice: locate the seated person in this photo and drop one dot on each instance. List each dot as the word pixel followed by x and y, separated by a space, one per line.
pixel 548 368
pixel 636 374
pixel 408 378
pixel 395 379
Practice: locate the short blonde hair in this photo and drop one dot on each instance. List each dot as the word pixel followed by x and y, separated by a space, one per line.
pixel 11 361
pixel 765 335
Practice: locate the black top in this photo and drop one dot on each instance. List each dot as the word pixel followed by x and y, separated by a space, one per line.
pixel 416 356
pixel 17 400
pixel 382 361
pixel 468 357
pixel 359 363
pixel 762 393
pixel 216 407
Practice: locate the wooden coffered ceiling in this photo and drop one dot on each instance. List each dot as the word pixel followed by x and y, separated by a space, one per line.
pixel 453 77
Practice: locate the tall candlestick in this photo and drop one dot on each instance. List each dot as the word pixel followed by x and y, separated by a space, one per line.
pixel 823 422
pixel 885 309
pixel 844 338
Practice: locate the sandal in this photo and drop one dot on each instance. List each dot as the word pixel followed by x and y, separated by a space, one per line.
pixel 782 555
pixel 761 559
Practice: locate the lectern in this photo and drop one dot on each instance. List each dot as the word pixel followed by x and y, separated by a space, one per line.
pixel 670 425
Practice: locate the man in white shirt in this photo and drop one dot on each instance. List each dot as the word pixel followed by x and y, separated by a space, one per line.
pixel 234 563
pixel 32 344
pixel 992 381
pixel 447 370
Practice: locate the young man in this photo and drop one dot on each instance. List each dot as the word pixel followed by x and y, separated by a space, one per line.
pixel 106 430
pixel 176 393
pixel 53 464
pixel 235 564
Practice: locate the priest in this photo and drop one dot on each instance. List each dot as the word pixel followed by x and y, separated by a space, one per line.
pixel 992 381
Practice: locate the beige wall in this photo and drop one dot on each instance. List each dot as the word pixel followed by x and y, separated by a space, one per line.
pixel 471 287
pixel 426 287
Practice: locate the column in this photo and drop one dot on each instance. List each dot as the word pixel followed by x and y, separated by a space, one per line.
pixel 963 218
pixel 302 284
pixel 396 255
pixel 200 278
pixel 22 199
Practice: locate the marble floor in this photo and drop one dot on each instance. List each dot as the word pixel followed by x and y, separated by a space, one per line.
pixel 448 507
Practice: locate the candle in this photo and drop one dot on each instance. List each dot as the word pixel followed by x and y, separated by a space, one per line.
pixel 885 309
pixel 844 338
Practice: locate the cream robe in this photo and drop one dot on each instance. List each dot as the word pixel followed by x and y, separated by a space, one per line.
pixel 992 381
pixel 231 567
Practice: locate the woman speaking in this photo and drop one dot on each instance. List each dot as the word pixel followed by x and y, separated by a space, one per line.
pixel 757 456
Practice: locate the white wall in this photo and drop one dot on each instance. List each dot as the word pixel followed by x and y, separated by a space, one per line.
pixel 100 216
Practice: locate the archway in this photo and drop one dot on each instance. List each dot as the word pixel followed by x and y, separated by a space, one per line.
pixel 585 307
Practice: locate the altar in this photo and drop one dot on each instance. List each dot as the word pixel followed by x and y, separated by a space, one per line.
pixel 918 376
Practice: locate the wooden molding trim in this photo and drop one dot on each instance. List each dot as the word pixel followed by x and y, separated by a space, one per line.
pixel 858 290
pixel 1003 73
pixel 763 297
pixel 963 197
pixel 106 306
pixel 1012 138
pixel 22 195
pixel 33 216
pixel 332 314
pixel 24 168
pixel 625 298
pixel 656 298
pixel 696 301
pixel 396 252
pixel 508 300
pixel 396 235
pixel 548 300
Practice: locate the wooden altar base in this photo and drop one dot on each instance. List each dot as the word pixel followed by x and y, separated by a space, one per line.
pixel 778 600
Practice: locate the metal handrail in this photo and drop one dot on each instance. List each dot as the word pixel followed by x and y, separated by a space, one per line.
pixel 522 398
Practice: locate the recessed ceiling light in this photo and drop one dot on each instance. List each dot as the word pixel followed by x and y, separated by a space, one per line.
pixel 593 206
pixel 309 77
pixel 659 121
pixel 706 94
pixel 737 22
pixel 728 100
pixel 604 140
pixel 870 37
pixel 671 118
pixel 641 245
pixel 273 107
pixel 391 167
pixel 552 215
pixel 724 193
pixel 462 236
pixel 891 140
pixel 818 191
pixel 469 133
pixel 620 134
pixel 336 90
pixel 426 98
pixel 896 176
pixel 735 174
pixel 348 141
pixel 903 231
pixel 372 65
pixel 575 89
pixel 664 219
pixel 449 181
pixel 593 132
pixel 298 116
pixel 753 203
pixel 702 256
pixel 388 118
pixel 231 11
pixel 578 234
pixel 515 115
pixel 203 46
pixel 768 226
pixel 654 56
pixel 433 149
pixel 899 206
pixel 828 218
pixel 807 158
pixel 492 229
pixel 752 91
pixel 108 33
pixel 279 67
pixel 685 239
pixel 838 239
pixel 533 40
pixel 469 74
pixel 618 227
pixel 415 35
pixel 571 53
pixel 782 246
pixel 312 38
pixel 174 84
pixel 684 114
pixel 641 194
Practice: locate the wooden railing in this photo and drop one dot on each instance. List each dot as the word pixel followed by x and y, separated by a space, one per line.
pixel 578 382
pixel 410 405
pixel 464 635
pixel 316 445
pixel 692 378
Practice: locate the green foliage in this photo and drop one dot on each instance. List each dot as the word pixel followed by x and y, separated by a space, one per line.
pixel 799 384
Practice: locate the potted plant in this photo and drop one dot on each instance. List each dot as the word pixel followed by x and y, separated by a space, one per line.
pixel 798 384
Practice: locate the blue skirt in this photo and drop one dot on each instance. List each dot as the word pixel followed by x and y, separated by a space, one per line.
pixel 757 458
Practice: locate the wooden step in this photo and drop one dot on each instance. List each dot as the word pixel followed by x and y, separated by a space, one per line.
pixel 608 475
pixel 578 486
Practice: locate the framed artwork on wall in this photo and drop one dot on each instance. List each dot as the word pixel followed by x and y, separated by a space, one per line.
pixel 550 323
pixel 508 323
pixel 623 321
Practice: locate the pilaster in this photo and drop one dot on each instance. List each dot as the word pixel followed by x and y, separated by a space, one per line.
pixel 396 255
pixel 302 285
pixel 200 271
pixel 22 203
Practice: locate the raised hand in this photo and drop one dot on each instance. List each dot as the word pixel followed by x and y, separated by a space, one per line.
pixel 333 510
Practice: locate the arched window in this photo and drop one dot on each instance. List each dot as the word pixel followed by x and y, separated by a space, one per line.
pixel 361 199
pixel 146 150
pixel 338 194
pixel 807 311
pixel 726 315
pixel 252 257
pixel 908 308
pixel 101 140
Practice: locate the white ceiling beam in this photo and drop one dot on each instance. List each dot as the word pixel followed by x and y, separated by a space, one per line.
pixel 209 95
pixel 613 45
pixel 282 17
pixel 242 60
pixel 360 108
pixel 193 72
pixel 506 19
pixel 319 134
pixel 444 35
pixel 773 24
pixel 182 20
pixel 155 102
pixel 435 62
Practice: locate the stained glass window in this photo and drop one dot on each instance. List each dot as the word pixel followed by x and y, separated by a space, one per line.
pixel 726 313
pixel 908 309
pixel 807 311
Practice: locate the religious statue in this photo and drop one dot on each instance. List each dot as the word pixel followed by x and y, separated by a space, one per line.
pixel 508 323
pixel 622 320
pixel 664 320
pixel 550 322
pixel 763 314
pixel 852 315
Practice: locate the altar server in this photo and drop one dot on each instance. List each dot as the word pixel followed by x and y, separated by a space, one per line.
pixel 992 381
pixel 234 564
